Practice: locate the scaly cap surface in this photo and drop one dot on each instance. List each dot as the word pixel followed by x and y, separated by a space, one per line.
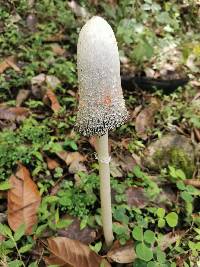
pixel 101 104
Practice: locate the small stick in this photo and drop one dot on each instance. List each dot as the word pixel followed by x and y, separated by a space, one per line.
pixel 105 191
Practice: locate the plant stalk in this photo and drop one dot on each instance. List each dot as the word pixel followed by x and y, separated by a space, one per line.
pixel 105 191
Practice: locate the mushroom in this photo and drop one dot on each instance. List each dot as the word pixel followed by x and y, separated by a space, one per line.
pixel 101 103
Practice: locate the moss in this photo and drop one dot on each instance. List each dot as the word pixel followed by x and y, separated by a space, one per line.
pixel 176 157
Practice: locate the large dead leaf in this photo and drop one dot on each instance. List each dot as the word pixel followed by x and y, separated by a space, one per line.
pixel 9 62
pixel 14 114
pixel 23 200
pixel 67 252
pixel 86 235
pixel 122 254
pixel 145 119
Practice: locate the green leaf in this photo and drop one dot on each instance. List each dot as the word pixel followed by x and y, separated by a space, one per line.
pixel 172 219
pixel 152 264
pixel 25 248
pixel 15 263
pixel 149 236
pixel 63 223
pixel 160 212
pixel 5 185
pixel 33 264
pixel 137 233
pixel 40 229
pixel 5 230
pixel 142 51
pixel 143 252
pixel 19 232
pixel 97 247
pixel 161 223
pixel 186 196
pixel 161 256
pixel 9 243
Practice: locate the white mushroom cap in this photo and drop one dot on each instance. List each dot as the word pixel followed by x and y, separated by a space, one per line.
pixel 101 105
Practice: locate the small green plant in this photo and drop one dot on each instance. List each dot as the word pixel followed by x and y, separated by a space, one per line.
pixel 7 246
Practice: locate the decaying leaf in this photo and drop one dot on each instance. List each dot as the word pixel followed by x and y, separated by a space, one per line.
pixel 51 163
pixel 14 113
pixel 145 119
pixel 70 157
pixel 122 254
pixel 57 49
pixel 9 62
pixel 170 238
pixel 22 96
pixel 136 197
pixel 193 182
pixel 55 106
pixel 86 235
pixel 78 10
pixel 68 252
pixel 23 200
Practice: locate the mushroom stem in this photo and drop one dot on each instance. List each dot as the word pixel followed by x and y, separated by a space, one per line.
pixel 105 191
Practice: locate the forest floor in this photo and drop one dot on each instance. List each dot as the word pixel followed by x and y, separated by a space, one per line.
pixel 49 183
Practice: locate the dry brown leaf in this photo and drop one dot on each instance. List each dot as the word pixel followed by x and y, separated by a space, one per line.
pixel 193 182
pixel 122 254
pixel 136 197
pixel 55 106
pixel 9 62
pixel 57 49
pixel 22 96
pixel 73 231
pixel 145 119
pixel 69 157
pixel 51 163
pixel 23 200
pixel 14 114
pixel 170 238
pixel 58 37
pixel 67 252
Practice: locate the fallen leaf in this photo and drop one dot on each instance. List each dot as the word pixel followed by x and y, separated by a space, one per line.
pixel 52 81
pixel 57 49
pixel 14 114
pixel 86 235
pixel 55 106
pixel 122 254
pixel 193 182
pixel 23 200
pixel 127 163
pixel 77 166
pixel 22 96
pixel 136 197
pixel 115 169
pixel 51 163
pixel 78 10
pixel 145 119
pixel 9 62
pixel 169 239
pixel 68 252
pixel 197 134
pixel 69 157
pixel 58 37
pixel 38 88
